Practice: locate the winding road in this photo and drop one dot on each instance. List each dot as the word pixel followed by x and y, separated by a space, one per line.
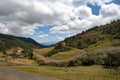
pixel 15 75
pixel 47 60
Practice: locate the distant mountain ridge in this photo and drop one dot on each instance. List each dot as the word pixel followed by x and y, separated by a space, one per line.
pixel 9 41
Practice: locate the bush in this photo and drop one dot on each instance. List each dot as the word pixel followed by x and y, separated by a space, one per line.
pixel 101 56
pixel 113 59
pixel 117 44
pixel 28 53
pixel 87 60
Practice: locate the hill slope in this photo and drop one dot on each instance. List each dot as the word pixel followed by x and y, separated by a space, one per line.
pixel 106 33
pixel 8 41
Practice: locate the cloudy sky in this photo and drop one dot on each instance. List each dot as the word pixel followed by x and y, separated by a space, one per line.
pixel 53 20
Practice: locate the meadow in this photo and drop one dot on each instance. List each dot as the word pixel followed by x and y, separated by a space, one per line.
pixel 94 72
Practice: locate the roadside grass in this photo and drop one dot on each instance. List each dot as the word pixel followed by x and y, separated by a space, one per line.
pixel 69 73
pixel 43 50
pixel 101 44
pixel 65 54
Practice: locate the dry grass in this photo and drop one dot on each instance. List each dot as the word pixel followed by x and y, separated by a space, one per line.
pixel 22 61
pixel 70 73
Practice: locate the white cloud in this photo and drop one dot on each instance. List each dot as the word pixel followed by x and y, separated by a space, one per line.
pixel 108 13
pixel 43 35
pixel 23 17
pixel 59 28
pixel 93 2
pixel 83 12
pixel 110 10
pixel 59 38
pixel 50 40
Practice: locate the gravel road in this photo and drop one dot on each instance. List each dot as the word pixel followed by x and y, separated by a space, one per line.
pixel 15 75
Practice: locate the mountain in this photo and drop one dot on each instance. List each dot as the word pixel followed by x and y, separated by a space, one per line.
pixel 49 43
pixel 9 41
pixel 108 33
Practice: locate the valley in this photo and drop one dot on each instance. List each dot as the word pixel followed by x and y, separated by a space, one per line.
pixel 91 55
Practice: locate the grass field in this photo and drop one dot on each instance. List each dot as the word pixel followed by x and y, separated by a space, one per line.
pixel 70 73
pixel 65 54
pixel 59 55
pixel 101 44
pixel 43 50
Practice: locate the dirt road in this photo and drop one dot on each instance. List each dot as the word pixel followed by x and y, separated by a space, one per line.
pixel 15 75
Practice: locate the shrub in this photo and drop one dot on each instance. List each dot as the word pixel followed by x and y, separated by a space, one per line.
pixel 87 60
pixel 113 59
pixel 117 44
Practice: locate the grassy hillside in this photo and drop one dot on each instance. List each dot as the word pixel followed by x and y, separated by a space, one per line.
pixel 65 54
pixel 58 55
pixel 7 42
pixel 43 51
pixel 96 44
pixel 106 34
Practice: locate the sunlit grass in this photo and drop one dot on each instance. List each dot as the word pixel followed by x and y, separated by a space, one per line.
pixel 70 73
pixel 65 54
pixel 43 50
pixel 101 44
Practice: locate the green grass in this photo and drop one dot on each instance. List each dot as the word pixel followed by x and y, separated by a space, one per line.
pixel 65 54
pixel 70 73
pixel 101 44
pixel 43 50
pixel 59 55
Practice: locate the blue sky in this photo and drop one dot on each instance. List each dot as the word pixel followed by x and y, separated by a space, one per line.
pixel 50 21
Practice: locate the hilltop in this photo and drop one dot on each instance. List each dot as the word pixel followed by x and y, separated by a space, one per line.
pixel 99 34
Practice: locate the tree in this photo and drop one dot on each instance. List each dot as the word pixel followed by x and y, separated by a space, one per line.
pixel 28 53
pixel 81 45
pixel 15 51
pixel 4 52
pixel 113 59
pixel 2 46
pixel 87 60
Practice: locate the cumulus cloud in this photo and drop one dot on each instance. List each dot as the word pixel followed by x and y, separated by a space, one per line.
pixel 85 19
pixel 110 10
pixel 93 2
pixel 26 13
pixel 43 35
pixel 24 17
pixel 83 12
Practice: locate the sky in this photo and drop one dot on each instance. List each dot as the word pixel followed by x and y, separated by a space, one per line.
pixel 50 21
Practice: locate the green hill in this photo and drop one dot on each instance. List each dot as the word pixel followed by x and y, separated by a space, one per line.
pixel 9 41
pixel 108 34
pixel 94 46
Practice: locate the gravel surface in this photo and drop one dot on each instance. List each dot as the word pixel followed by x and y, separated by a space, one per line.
pixel 15 75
